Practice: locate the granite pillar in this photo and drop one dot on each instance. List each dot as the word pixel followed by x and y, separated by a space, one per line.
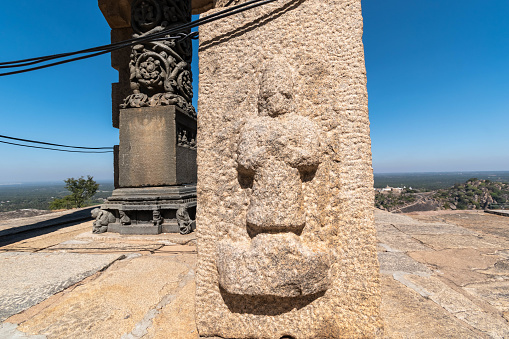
pixel 286 241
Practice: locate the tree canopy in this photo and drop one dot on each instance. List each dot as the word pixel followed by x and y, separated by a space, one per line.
pixel 82 190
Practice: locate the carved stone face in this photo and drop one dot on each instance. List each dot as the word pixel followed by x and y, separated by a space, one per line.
pixel 277 153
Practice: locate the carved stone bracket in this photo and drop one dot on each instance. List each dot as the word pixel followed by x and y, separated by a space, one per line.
pixel 160 71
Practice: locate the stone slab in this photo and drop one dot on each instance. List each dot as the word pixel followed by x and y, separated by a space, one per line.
pixel 10 331
pixel 39 239
pixel 408 315
pixel 384 217
pixel 29 278
pixel 80 246
pixel 435 228
pixel 462 307
pixel 444 241
pixel 476 221
pixel 122 301
pixel 178 318
pixel 163 238
pixel 400 242
pixel 496 293
pixel 462 266
pixel 148 148
pixel 393 262
pixel 14 226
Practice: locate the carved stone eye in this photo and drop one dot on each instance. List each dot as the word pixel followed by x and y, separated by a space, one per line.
pixel 245 177
pixel 307 173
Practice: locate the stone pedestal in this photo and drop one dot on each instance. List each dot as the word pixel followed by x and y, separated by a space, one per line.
pixel 155 165
pixel 157 147
pixel 152 210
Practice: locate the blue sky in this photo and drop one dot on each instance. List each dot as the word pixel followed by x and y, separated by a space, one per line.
pixel 438 85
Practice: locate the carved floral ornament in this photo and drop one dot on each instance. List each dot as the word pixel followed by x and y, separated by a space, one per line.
pixel 160 71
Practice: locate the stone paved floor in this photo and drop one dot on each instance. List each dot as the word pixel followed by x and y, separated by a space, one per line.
pixel 444 275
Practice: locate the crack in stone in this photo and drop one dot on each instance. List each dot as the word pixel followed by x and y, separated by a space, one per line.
pixel 141 328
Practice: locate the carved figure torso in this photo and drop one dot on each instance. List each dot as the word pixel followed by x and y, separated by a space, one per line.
pixel 277 152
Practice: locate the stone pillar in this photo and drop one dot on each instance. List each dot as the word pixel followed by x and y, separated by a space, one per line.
pixel 155 161
pixel 286 241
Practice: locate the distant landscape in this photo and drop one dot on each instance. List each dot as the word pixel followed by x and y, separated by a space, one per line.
pixel 437 187
pixel 435 180
pixel 412 192
pixel 39 195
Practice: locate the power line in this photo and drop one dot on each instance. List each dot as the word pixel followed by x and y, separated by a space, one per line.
pixel 48 143
pixel 161 35
pixel 53 149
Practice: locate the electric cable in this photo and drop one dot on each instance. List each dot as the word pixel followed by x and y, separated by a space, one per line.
pixel 174 29
pixel 161 35
pixel 96 51
pixel 48 143
pixel 53 149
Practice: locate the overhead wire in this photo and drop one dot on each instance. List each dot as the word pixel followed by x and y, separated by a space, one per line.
pixel 50 144
pixel 53 149
pixel 161 35
pixel 96 51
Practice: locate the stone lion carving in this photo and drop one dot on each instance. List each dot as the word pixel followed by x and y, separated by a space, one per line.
pixel 184 221
pixel 102 219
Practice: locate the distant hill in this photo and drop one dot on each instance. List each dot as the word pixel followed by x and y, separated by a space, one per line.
pixel 435 180
pixel 472 195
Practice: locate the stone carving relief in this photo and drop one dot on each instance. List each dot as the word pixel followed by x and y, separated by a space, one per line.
pixel 102 219
pixel 186 137
pixel 184 221
pixel 160 71
pixel 157 219
pixel 278 152
pixel 124 219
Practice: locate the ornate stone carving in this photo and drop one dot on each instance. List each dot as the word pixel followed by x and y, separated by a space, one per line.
pixel 124 219
pixel 286 241
pixel 186 137
pixel 278 151
pixel 102 219
pixel 157 219
pixel 184 221
pixel 160 71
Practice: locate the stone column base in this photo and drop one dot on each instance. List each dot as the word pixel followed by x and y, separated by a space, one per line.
pixel 150 210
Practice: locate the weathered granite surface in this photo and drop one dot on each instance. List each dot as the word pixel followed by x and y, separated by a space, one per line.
pixel 465 275
pixel 451 293
pixel 18 225
pixel 29 278
pixel 286 242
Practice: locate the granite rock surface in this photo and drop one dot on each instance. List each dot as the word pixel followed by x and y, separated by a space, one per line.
pixel 286 241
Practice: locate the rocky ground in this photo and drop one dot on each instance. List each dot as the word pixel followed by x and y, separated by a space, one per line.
pixel 444 275
pixel 24 213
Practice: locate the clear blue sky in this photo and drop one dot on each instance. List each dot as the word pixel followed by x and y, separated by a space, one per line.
pixel 438 84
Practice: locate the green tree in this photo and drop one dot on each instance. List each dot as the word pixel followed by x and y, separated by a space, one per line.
pixel 64 203
pixel 81 191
